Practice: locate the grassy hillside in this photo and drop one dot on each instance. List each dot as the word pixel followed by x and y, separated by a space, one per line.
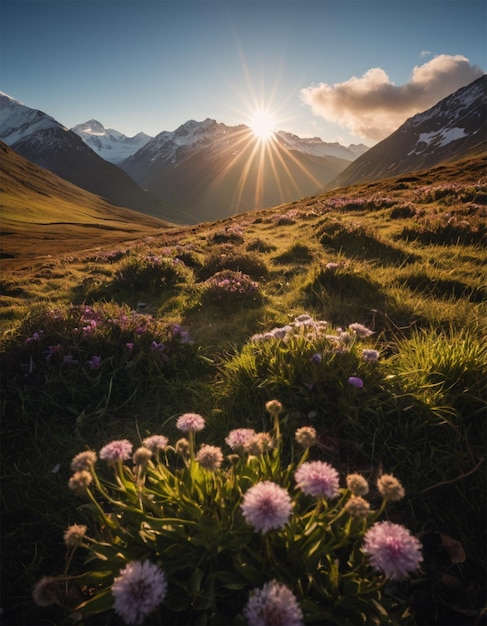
pixel 42 212
pixel 116 338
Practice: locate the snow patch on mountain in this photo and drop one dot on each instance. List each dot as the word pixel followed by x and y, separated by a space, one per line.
pixel 17 119
pixel 110 144
pixel 315 146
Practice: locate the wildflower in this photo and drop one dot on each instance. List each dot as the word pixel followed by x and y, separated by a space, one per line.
pixel 316 358
pixel 155 443
pixel 95 362
pixel 357 506
pixel 138 591
pixel 182 446
pixel 116 451
pixel 303 319
pixel 390 488
pixel 317 478
pixel 129 345
pixel 157 347
pixel 355 381
pixel 34 337
pixel 80 481
pixel 190 422
pixel 306 436
pixel 258 444
pixel 370 355
pixel 142 455
pixel 273 604
pixel 357 484
pixel 392 549
pixel 48 590
pixel 332 266
pixel 83 461
pixel 274 407
pixel 209 457
pixel 238 438
pixel 74 535
pixel 360 330
pixel 68 359
pixel 266 505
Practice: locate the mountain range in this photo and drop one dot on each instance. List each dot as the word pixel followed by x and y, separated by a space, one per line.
pixel 214 170
pixel 205 171
pixel 44 141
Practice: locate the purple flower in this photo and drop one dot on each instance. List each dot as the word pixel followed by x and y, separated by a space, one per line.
pixel 316 358
pixel 95 362
pixel 129 345
pixel 266 505
pixel 116 451
pixel 33 337
pixel 190 422
pixel 355 381
pixel 238 438
pixel 318 479
pixel 392 549
pixel 138 591
pixel 274 604
pixel 159 347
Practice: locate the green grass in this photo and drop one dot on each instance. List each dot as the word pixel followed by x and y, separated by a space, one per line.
pixel 401 266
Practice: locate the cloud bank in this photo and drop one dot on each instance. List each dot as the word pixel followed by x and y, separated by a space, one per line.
pixel 372 107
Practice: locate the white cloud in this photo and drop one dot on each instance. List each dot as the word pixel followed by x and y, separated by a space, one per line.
pixel 372 107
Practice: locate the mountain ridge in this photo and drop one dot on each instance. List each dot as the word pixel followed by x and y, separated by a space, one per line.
pixel 43 140
pixel 454 127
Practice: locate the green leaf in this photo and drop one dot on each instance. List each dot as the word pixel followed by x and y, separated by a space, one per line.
pixel 102 601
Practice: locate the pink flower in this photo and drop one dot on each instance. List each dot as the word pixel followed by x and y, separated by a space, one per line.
pixel 116 451
pixel 190 422
pixel 238 438
pixel 266 505
pixel 318 479
pixel 360 330
pixel 209 457
pixel 155 443
pixel 275 605
pixel 138 591
pixel 370 355
pixel 392 549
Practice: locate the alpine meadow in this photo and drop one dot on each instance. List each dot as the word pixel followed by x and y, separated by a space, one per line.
pixel 281 411
pixel 244 373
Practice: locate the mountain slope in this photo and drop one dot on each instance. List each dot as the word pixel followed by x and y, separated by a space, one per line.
pixel 455 127
pixel 43 214
pixel 110 144
pixel 213 171
pixel 44 141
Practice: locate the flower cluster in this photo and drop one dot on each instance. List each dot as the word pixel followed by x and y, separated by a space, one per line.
pixel 173 519
pixel 227 285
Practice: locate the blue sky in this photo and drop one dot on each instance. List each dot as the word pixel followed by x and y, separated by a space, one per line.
pixel 343 70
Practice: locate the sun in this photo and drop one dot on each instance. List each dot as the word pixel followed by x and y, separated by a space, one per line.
pixel 263 125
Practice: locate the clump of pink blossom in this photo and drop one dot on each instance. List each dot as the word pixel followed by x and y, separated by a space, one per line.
pixel 266 506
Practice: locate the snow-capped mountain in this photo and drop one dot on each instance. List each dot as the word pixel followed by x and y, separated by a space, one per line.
pixel 110 144
pixel 453 128
pixel 317 147
pixel 213 170
pixel 41 139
